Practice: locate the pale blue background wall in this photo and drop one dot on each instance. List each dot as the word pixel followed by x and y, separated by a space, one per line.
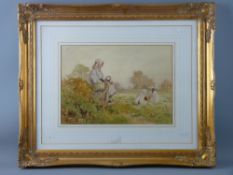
pixel 9 96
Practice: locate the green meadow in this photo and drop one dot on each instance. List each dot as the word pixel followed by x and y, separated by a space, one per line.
pixel 80 106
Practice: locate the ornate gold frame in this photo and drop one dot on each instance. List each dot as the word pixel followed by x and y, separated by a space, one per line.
pixel 29 156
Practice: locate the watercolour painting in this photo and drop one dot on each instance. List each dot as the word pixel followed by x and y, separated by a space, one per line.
pixel 117 84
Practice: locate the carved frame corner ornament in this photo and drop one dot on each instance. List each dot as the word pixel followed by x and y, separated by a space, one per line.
pixel 210 20
pixel 29 14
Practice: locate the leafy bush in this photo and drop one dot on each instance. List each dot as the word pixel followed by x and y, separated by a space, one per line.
pixel 77 99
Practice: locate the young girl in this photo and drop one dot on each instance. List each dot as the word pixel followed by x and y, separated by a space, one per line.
pixel 109 89
pixel 154 96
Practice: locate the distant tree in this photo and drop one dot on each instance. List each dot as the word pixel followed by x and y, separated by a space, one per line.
pixel 166 85
pixel 117 86
pixel 139 80
pixel 80 71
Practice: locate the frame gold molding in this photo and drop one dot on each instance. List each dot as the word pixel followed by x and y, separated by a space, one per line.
pixel 29 156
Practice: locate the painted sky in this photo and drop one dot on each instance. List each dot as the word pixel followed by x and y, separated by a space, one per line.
pixel 120 61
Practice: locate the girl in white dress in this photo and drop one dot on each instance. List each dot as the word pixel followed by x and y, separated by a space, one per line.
pixel 154 96
pixel 109 89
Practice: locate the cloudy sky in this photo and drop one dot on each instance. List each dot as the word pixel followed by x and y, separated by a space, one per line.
pixel 120 61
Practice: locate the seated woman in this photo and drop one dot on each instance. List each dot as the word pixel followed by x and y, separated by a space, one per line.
pixel 96 75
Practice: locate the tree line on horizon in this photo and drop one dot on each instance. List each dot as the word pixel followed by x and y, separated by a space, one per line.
pixel 139 80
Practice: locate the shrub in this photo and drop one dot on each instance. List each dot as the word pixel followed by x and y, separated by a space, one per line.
pixel 77 100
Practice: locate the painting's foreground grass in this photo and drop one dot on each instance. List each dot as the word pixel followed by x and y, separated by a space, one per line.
pixel 122 110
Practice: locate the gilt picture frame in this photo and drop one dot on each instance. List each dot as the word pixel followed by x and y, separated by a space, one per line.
pixel 116 85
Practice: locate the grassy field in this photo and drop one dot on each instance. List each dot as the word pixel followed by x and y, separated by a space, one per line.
pixel 123 110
